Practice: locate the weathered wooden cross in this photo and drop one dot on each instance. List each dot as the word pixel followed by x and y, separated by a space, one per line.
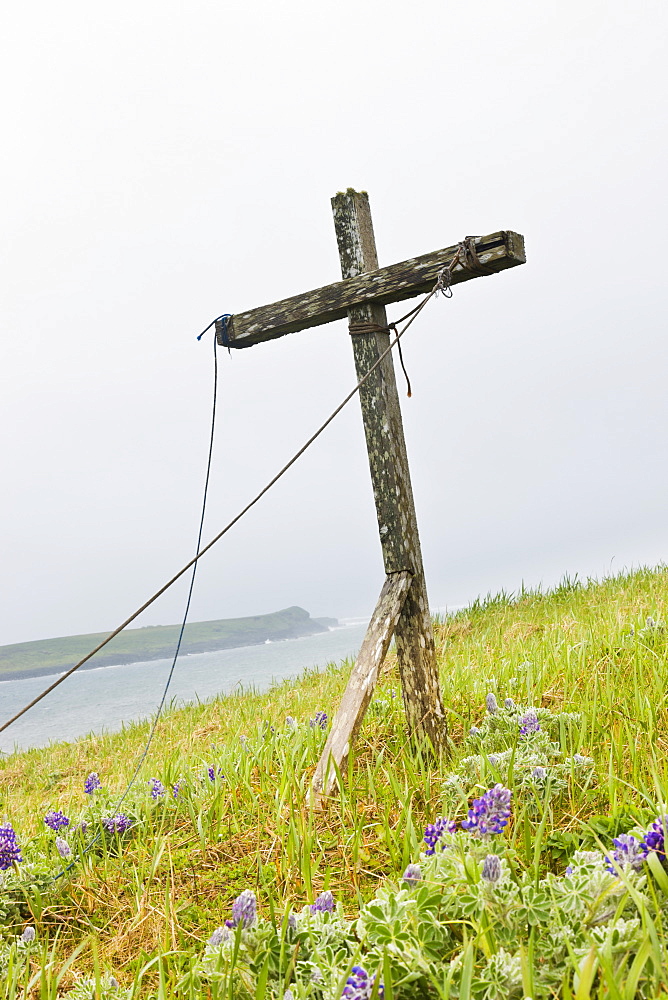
pixel 403 608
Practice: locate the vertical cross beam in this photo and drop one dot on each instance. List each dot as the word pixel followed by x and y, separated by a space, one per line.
pixel 390 477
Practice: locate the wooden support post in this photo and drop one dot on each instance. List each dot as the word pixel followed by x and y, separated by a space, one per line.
pixel 362 681
pixel 390 476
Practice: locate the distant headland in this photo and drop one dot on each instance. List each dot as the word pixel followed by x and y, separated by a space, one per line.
pixel 155 642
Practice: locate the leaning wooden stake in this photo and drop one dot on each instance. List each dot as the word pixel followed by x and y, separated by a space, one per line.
pixel 362 681
pixel 393 494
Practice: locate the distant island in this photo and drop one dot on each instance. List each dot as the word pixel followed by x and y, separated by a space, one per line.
pixel 155 642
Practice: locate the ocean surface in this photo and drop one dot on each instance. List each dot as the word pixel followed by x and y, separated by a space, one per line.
pixel 103 698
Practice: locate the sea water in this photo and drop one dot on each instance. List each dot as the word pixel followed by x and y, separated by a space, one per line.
pixel 103 698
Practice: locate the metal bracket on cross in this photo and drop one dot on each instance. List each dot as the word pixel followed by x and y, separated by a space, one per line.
pixel 402 611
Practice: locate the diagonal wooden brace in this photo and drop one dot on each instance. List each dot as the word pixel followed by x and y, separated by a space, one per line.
pixel 362 682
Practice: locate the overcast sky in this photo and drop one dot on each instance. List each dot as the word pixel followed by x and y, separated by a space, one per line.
pixel 166 162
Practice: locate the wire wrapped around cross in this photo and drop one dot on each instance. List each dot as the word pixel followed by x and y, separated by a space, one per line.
pixel 466 255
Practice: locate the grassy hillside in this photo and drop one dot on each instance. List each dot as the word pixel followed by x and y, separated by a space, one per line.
pixel 581 747
pixel 155 642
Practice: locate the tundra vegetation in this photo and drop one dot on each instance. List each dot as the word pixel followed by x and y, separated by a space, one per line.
pixel 529 862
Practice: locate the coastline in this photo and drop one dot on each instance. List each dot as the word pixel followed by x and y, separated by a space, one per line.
pixel 156 642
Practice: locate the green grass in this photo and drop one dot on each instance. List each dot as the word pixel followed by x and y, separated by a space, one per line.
pixel 146 909
pixel 43 656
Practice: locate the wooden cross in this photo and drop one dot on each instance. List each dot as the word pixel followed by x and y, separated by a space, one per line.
pixel 403 609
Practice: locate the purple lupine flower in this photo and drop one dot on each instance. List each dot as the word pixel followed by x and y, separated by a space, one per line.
pixel 219 935
pixel 359 985
pixel 490 813
pixel 56 820
pixel 10 851
pixel 491 704
pixel 655 838
pixel 628 853
pixel 529 722
pixel 176 788
pixel 493 759
pixel 81 828
pixel 214 772
pixel 474 731
pixel 319 720
pixel 292 921
pixel 288 995
pixel 117 824
pixel 539 773
pixel 412 876
pixel 324 903
pixel 29 934
pixel 244 910
pixel 491 868
pixel 157 788
pixel 92 783
pixel 434 832
pixel 509 705
pixel 579 759
pixel 290 722
pixel 63 847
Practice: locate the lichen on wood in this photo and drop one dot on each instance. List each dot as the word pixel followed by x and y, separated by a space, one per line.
pixel 371 285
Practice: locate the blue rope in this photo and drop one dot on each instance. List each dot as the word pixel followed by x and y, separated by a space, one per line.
pixel 223 320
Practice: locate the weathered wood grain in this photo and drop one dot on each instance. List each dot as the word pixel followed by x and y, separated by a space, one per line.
pixel 362 682
pixel 390 477
pixel 380 286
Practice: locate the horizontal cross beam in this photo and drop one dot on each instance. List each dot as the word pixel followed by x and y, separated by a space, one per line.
pixel 495 252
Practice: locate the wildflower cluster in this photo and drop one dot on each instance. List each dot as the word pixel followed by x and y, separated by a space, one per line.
pixel 491 868
pixel 102 813
pixel 63 848
pixel 599 899
pixel 413 874
pixel 359 985
pixel 56 820
pixel 489 814
pixel 630 852
pixel 119 823
pixel 319 721
pixel 487 817
pixel 244 910
pixel 529 723
pixel 156 787
pixel 92 783
pixel 10 851
pixel 655 838
pixel 521 745
pixel 435 833
pixel 324 903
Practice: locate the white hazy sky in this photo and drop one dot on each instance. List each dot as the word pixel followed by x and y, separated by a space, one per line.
pixel 166 162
